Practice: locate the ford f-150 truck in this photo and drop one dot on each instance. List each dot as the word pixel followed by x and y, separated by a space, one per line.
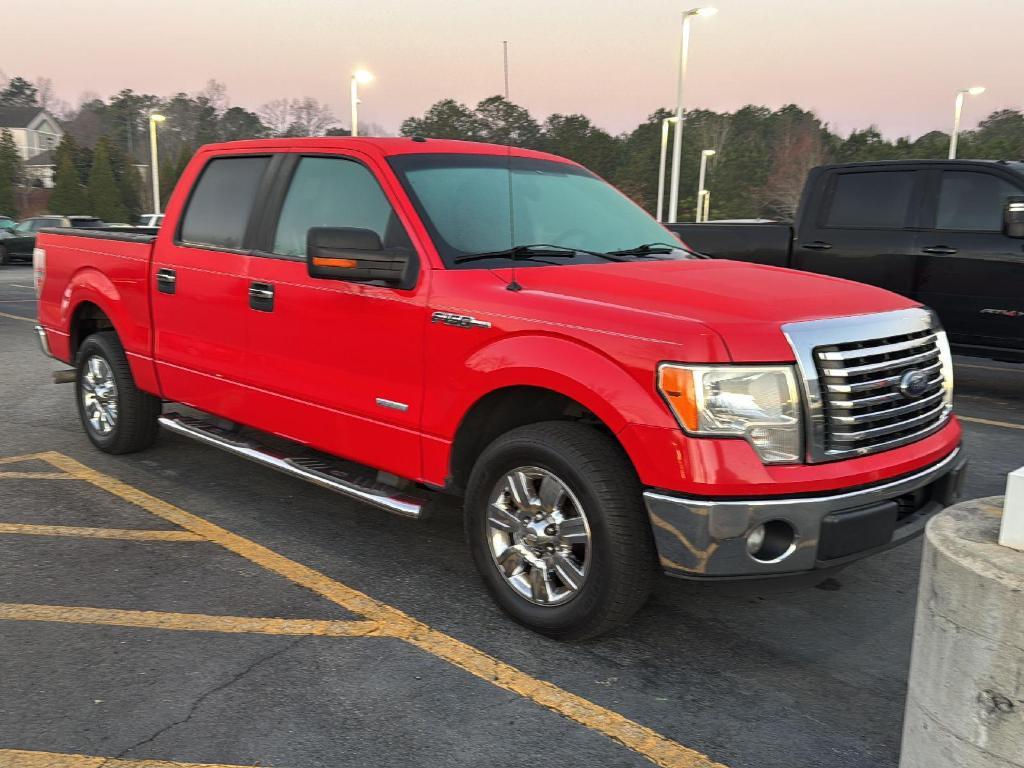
pixel 392 318
pixel 947 233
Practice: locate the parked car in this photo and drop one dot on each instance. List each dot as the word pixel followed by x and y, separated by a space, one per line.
pixel 947 233
pixel 150 220
pixel 7 223
pixel 606 403
pixel 20 246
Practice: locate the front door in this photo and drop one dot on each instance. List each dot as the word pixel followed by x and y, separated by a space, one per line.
pixel 864 229
pixel 340 363
pixel 200 291
pixel 972 273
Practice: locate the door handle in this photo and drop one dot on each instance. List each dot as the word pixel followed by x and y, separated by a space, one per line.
pixel 817 245
pixel 261 297
pixel 945 250
pixel 166 280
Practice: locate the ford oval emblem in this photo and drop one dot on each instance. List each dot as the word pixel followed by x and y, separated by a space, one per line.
pixel 914 383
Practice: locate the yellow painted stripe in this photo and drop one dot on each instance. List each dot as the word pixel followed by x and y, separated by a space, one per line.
pixel 133 534
pixel 19 758
pixel 24 457
pixel 989 368
pixel 17 317
pixel 35 476
pixel 393 622
pixel 189 622
pixel 991 422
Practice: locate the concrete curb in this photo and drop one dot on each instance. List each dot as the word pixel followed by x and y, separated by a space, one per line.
pixel 965 703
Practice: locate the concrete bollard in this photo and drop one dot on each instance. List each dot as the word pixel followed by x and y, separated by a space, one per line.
pixel 965 703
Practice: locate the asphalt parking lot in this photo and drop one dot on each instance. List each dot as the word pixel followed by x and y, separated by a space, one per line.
pixel 185 606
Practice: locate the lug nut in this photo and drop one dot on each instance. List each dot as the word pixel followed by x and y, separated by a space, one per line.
pixel 550 530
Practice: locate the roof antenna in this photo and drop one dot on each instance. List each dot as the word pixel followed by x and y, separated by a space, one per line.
pixel 514 284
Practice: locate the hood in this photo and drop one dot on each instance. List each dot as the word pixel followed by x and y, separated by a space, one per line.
pixel 745 304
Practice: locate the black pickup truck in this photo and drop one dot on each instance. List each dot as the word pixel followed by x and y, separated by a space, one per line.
pixel 948 233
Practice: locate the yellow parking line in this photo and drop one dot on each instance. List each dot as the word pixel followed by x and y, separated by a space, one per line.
pixel 17 317
pixel 989 368
pixel 133 534
pixel 393 622
pixel 25 457
pixel 35 476
pixel 19 758
pixel 991 422
pixel 189 622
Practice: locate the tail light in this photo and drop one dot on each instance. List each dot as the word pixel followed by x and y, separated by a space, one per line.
pixel 38 269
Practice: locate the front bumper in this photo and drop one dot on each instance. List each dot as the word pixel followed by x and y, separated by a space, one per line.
pixel 701 538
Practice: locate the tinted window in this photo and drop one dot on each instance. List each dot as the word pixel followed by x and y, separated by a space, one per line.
pixel 877 200
pixel 222 200
pixel 973 201
pixel 332 192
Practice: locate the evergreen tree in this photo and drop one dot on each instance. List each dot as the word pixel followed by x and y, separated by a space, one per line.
pixel 11 174
pixel 68 194
pixel 104 196
pixel 128 182
pixel 19 93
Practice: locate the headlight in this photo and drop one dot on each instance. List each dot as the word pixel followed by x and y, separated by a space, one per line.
pixel 758 403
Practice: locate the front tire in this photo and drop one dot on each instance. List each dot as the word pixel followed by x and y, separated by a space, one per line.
pixel 556 525
pixel 117 416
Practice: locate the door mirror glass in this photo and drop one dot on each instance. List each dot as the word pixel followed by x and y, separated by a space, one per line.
pixel 357 255
pixel 1013 216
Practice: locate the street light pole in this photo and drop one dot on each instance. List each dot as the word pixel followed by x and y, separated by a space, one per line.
pixel 701 192
pixel 665 122
pixel 957 109
pixel 677 141
pixel 154 171
pixel 359 77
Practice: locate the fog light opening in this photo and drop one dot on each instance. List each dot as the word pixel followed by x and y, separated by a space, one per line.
pixel 771 542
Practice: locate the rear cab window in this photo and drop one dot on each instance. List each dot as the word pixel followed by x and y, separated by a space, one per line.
pixel 871 200
pixel 221 203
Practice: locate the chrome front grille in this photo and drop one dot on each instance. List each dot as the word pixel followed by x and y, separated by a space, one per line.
pixel 866 407
pixel 872 382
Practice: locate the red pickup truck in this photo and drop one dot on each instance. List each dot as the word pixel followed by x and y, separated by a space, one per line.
pixel 392 318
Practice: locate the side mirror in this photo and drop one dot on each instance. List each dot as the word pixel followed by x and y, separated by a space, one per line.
pixel 357 255
pixel 1013 217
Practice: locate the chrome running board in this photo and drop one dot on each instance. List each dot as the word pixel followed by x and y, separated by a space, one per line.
pixel 317 471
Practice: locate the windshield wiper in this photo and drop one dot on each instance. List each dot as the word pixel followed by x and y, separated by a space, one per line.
pixel 647 250
pixel 536 252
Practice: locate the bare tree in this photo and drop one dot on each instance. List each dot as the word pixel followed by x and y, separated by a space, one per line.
pixel 216 95
pixel 45 94
pixel 799 148
pixel 309 117
pixel 276 115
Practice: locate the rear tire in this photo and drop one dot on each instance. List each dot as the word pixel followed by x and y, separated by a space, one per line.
pixel 571 568
pixel 116 415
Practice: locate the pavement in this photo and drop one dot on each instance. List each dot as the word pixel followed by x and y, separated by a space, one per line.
pixel 180 606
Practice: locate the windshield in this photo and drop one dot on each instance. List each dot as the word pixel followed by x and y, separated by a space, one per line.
pixel 464 201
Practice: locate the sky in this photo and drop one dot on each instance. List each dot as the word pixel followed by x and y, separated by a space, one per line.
pixel 896 64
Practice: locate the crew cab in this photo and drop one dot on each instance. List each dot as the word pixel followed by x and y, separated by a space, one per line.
pixel 947 233
pixel 396 318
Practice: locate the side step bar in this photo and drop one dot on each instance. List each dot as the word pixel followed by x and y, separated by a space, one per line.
pixel 314 471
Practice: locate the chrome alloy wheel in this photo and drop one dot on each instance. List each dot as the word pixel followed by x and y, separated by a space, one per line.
pixel 99 395
pixel 539 536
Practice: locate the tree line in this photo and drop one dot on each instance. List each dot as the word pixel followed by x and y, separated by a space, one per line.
pixel 761 155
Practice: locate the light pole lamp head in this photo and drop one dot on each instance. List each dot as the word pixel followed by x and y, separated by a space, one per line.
pixel 362 76
pixel 156 118
pixel 976 90
pixel 708 152
pixel 704 11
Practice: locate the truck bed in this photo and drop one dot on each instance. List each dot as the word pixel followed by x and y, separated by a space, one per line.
pixel 97 269
pixel 755 242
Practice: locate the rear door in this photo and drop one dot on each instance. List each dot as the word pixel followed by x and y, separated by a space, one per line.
pixel 864 228
pixel 972 273
pixel 339 364
pixel 199 287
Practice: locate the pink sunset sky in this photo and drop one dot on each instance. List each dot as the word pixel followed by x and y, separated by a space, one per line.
pixel 893 63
